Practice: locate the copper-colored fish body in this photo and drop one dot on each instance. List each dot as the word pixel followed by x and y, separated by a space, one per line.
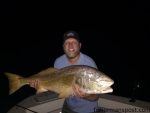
pixel 61 81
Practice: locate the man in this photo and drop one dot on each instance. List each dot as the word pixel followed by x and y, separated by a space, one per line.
pixel 80 103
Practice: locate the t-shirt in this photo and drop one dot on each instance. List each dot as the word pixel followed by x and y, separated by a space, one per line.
pixel 75 103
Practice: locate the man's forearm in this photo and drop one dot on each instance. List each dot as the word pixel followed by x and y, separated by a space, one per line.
pixel 92 97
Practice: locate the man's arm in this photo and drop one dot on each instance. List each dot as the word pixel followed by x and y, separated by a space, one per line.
pixel 91 97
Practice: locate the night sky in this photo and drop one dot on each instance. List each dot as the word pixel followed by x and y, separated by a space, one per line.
pixel 123 56
pixel 119 46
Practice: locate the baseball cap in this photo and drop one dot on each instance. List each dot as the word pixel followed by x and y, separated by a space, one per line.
pixel 71 34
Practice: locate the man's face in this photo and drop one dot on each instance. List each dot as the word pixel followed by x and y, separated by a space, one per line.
pixel 71 47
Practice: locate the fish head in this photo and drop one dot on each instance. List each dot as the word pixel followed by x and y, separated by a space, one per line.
pixel 92 81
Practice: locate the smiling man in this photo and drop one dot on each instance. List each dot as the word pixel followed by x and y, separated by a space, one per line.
pixel 81 102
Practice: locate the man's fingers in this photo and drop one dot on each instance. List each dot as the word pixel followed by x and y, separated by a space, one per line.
pixel 34 83
pixel 77 91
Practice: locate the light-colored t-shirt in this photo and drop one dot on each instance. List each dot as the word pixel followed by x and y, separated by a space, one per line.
pixel 76 103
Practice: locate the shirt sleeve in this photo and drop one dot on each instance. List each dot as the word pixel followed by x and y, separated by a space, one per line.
pixel 92 63
pixel 89 61
pixel 55 64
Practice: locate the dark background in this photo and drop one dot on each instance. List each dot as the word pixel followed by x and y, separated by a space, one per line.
pixel 116 38
pixel 119 55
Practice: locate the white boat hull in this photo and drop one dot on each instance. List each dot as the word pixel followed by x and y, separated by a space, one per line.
pixel 48 103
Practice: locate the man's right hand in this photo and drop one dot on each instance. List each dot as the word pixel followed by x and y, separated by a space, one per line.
pixel 34 83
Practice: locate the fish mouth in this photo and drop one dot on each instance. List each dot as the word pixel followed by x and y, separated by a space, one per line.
pixel 101 91
pixel 107 90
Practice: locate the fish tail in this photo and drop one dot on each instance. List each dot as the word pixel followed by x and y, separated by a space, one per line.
pixel 15 82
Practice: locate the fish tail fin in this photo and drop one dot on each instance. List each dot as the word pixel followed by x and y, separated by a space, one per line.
pixel 14 82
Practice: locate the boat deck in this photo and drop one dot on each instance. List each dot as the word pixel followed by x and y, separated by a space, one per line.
pixel 49 102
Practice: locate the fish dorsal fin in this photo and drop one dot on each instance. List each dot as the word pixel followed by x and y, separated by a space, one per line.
pixel 46 72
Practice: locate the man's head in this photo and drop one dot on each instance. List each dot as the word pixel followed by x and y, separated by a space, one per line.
pixel 71 34
pixel 71 44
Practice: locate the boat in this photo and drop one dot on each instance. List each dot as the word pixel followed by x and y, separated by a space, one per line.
pixel 48 102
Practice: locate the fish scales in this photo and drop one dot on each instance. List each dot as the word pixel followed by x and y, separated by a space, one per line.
pixel 61 81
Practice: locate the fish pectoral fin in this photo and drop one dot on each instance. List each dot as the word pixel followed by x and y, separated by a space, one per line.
pixel 40 90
